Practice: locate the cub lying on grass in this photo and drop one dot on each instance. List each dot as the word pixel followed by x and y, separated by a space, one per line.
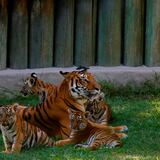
pixel 97 135
pixel 17 133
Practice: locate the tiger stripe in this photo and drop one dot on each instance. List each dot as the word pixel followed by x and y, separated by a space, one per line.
pixel 17 133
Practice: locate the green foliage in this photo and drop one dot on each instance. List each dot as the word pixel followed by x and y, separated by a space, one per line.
pixel 29 100
pixel 149 88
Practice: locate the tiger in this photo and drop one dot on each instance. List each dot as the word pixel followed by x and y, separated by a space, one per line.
pixel 52 115
pixel 99 109
pixel 33 85
pixel 96 135
pixel 17 133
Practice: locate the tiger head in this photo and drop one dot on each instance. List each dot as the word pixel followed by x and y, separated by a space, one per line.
pixel 30 86
pixel 78 119
pixel 81 84
pixel 8 114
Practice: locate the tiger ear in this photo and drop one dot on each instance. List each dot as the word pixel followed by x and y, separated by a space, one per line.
pixel 64 74
pixel 70 110
pixel 34 75
pixel 82 68
pixel 15 107
pixel 87 114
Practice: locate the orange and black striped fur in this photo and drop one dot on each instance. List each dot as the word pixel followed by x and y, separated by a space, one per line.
pixel 96 135
pixel 52 115
pixel 33 85
pixel 100 111
pixel 17 133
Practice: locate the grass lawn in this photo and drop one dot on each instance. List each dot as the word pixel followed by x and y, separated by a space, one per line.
pixel 141 115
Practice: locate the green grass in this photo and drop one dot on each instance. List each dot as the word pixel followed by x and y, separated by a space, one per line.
pixel 142 116
pixel 140 113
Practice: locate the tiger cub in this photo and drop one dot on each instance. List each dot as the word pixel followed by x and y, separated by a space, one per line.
pixel 33 85
pixel 100 111
pixel 96 135
pixel 17 133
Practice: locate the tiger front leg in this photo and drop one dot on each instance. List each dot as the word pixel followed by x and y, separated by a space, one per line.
pixel 81 146
pixel 16 147
pixel 90 147
pixel 64 142
pixel 18 141
pixel 7 145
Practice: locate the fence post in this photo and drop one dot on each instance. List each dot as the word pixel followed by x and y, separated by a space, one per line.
pixel 109 32
pixel 41 34
pixel 64 23
pixel 18 37
pixel 134 32
pixel 84 54
pixel 152 46
pixel 3 33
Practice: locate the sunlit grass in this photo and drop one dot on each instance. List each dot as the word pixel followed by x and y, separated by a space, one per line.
pixel 141 115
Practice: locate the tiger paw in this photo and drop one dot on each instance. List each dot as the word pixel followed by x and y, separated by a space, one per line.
pixel 124 129
pixel 78 146
pixel 6 152
pixel 114 144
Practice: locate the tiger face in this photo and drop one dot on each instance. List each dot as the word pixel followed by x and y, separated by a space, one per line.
pixel 82 84
pixel 7 115
pixel 78 120
pixel 29 85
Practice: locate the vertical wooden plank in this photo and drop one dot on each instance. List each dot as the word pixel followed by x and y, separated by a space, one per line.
pixel 84 33
pixel 134 32
pixel 94 32
pixel 18 34
pixel 152 45
pixel 41 34
pixel 3 33
pixel 64 23
pixel 109 32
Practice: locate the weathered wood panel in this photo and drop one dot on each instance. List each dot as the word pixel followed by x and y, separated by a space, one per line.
pixel 18 40
pixel 64 23
pixel 84 54
pixel 109 32
pixel 134 32
pixel 3 33
pixel 41 34
pixel 152 46
pixel 94 32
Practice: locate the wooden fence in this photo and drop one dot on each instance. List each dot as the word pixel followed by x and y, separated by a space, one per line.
pixel 46 33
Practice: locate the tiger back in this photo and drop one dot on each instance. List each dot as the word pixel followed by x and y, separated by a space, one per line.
pixel 95 135
pixel 17 133
pixel 52 115
pixel 33 85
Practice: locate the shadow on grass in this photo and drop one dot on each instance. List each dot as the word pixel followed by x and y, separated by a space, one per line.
pixel 142 116
pixel 143 120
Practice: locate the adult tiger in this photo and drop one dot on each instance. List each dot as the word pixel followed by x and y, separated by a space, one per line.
pixel 33 85
pixel 99 109
pixel 17 133
pixel 52 115
pixel 96 135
